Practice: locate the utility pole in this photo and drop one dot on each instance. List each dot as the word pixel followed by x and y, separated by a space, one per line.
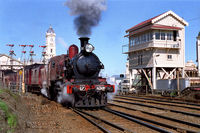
pixel 31 54
pixel 11 53
pixel 43 54
pixel 23 53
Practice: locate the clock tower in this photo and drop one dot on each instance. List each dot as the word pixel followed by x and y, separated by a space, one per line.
pixel 50 43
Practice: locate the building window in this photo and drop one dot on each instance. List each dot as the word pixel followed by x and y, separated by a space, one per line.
pixel 151 36
pixel 157 35
pixel 143 38
pixel 139 39
pixel 148 37
pixel 169 36
pixel 169 57
pixel 162 36
pixel 132 41
pixel 136 40
pixel 51 50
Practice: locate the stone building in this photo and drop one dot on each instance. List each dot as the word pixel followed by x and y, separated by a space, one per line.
pixel 156 48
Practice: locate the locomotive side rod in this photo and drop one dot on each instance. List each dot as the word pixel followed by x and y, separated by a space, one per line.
pixel 91 121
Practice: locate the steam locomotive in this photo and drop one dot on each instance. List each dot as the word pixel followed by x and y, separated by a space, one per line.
pixel 70 79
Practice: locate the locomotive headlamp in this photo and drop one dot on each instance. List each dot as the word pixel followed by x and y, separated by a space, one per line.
pixel 89 48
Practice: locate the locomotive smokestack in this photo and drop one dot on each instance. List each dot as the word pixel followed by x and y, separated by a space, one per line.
pixel 83 41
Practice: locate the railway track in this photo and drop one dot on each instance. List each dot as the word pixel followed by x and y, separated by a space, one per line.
pixel 153 124
pixel 169 100
pixel 160 116
pixel 90 118
pixel 157 102
pixel 160 108
pixel 99 122
pixel 149 123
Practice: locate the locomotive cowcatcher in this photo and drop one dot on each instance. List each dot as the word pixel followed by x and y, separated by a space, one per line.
pixel 72 78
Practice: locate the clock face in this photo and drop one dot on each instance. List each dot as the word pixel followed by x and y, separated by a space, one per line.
pixel 51 39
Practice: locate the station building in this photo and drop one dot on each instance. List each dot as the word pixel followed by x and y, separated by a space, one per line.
pixel 156 49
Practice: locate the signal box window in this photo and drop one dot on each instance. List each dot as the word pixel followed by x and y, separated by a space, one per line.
pixel 169 36
pixel 162 36
pixel 157 35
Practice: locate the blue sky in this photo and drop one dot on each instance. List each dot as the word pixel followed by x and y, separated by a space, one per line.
pixel 26 21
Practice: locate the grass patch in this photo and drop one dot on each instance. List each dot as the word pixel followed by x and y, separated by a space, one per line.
pixel 15 96
pixel 10 117
pixel 1 91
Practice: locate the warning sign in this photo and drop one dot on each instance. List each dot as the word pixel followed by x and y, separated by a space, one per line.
pixel 20 72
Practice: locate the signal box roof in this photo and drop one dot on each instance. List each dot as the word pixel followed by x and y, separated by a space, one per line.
pixel 155 19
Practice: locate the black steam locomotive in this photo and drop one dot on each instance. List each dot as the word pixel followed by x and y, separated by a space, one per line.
pixel 71 79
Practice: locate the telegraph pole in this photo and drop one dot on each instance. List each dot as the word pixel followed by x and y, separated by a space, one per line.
pixel 23 53
pixel 11 53
pixel 31 53
pixel 43 54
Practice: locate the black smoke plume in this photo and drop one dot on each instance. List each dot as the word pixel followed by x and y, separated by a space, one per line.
pixel 88 14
